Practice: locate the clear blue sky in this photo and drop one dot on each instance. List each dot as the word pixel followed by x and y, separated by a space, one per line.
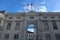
pixel 19 5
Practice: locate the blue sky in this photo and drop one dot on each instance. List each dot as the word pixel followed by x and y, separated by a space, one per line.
pixel 31 28
pixel 38 5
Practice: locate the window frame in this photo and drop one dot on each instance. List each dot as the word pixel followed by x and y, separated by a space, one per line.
pixel 16 36
pixel 17 26
pixel 6 36
pixel 8 26
pixel 54 24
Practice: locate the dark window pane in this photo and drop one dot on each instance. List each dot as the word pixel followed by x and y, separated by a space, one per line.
pixel 16 36
pixel 47 36
pixel 10 17
pixel 57 36
pixel 52 17
pixel 46 26
pixel 0 21
pixel 17 27
pixel 8 26
pixel 54 25
pixel 18 17
pixel 6 36
pixel 31 17
pixel 44 16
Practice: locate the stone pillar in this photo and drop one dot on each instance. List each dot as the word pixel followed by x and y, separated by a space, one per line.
pixel 40 30
pixel 51 30
pixel 23 30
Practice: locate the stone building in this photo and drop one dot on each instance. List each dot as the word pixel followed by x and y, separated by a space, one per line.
pixel 14 26
pixel 2 17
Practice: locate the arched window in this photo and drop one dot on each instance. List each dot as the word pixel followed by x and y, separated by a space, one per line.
pixel 31 27
pixel 31 31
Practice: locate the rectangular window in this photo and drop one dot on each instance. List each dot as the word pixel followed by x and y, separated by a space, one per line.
pixel 16 36
pixel 18 17
pixel 31 17
pixel 17 27
pixel 46 26
pixel 8 26
pixel 0 28
pixel 57 36
pixel 54 25
pixel 6 36
pixel 44 16
pixel 47 36
pixel 52 17
pixel 0 21
pixel 59 17
pixel 30 36
pixel 10 17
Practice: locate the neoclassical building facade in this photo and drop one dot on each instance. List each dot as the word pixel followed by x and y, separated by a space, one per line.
pixel 30 25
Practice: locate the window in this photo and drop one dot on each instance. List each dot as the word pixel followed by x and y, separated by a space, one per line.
pixel 17 27
pixel 52 17
pixel 8 26
pixel 6 15
pixel 16 36
pixel 18 17
pixel 40 39
pixel 54 25
pixel 57 36
pixel 0 21
pixel 31 29
pixel 31 17
pixel 0 28
pixel 10 17
pixel 30 36
pixel 44 16
pixel 59 17
pixel 46 26
pixel 6 36
pixel 47 36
